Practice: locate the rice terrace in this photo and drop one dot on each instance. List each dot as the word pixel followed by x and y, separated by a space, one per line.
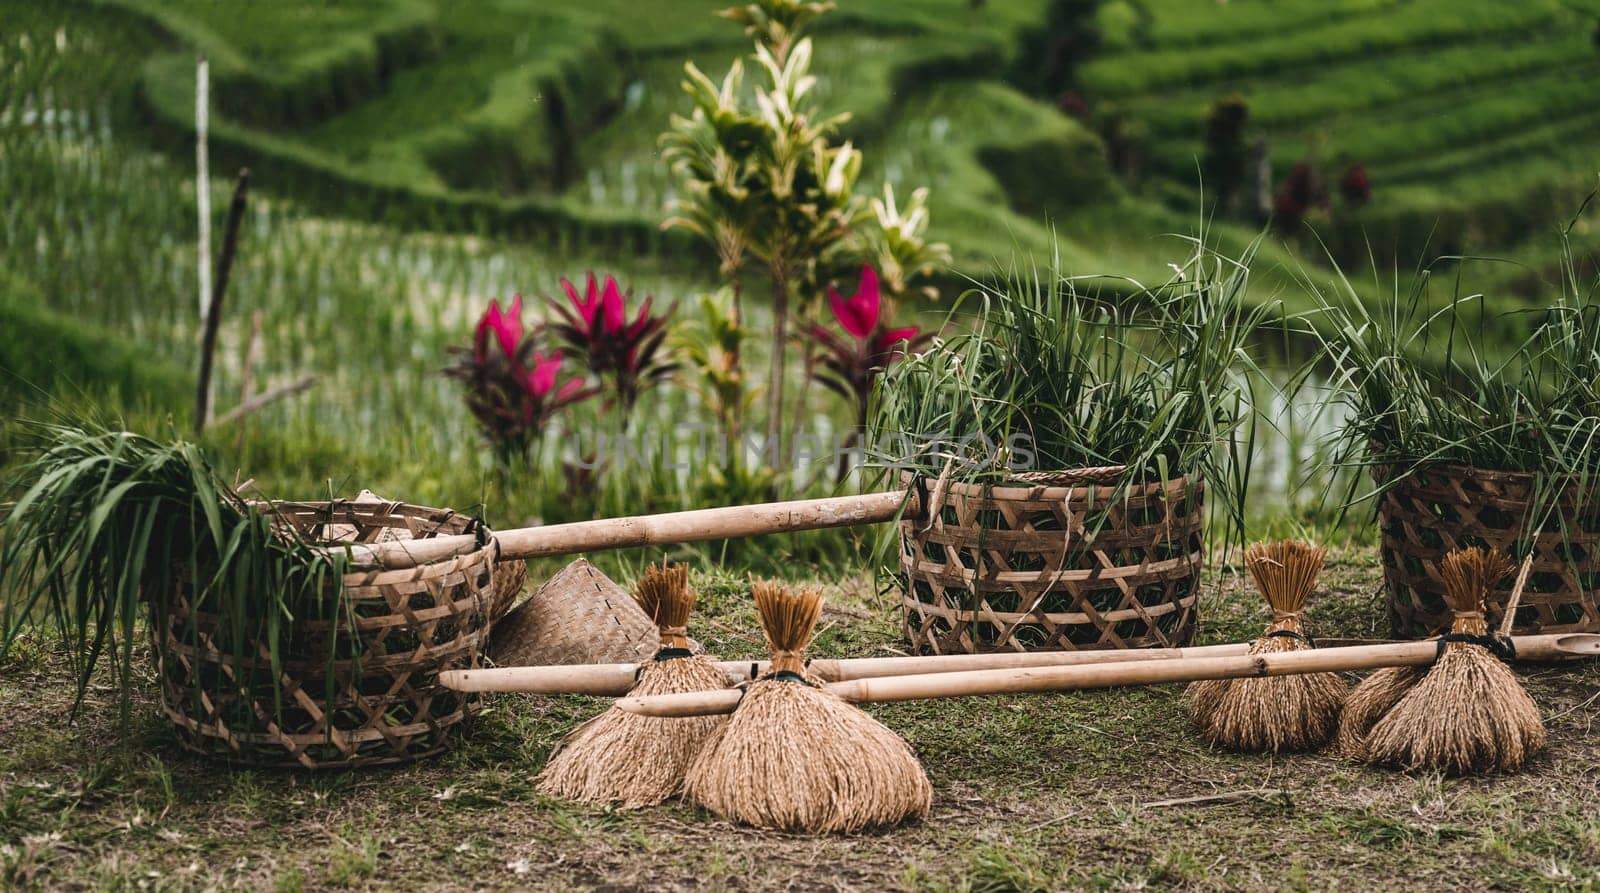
pixel 973 445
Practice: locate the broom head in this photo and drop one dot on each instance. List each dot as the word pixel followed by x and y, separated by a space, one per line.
pixel 1469 713
pixel 1278 713
pixel 631 760
pixel 1368 702
pixel 664 595
pixel 794 757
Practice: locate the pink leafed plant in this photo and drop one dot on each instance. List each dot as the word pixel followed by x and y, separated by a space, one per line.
pixel 853 360
pixel 512 387
pixel 624 352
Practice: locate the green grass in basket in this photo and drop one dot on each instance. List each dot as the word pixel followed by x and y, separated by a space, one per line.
pixel 1158 383
pixel 1425 387
pixel 106 521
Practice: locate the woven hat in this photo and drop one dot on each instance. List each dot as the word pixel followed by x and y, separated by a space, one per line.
pixel 578 616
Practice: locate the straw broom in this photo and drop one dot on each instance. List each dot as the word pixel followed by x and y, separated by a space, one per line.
pixel 1281 713
pixel 631 760
pixel 1469 714
pixel 795 757
pixel 1381 691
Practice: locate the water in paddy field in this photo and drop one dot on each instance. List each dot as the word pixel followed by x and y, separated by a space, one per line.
pixel 1293 466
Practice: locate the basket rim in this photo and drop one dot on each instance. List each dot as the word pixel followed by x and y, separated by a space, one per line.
pixel 362 576
pixel 1053 618
pixel 1072 482
pixel 288 509
pixel 1462 470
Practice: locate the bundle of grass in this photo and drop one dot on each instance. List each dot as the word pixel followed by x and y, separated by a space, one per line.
pixel 1150 385
pixel 794 757
pixel 631 760
pixel 1277 713
pixel 109 524
pixel 1478 428
pixel 1468 714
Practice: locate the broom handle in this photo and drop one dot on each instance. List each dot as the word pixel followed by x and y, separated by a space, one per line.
pixel 612 680
pixel 1071 678
pixel 670 528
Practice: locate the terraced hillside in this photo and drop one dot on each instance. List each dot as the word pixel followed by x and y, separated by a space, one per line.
pixel 1475 120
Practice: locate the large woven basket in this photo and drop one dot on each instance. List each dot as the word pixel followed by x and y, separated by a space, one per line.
pixel 1057 561
pixel 1436 509
pixel 397 630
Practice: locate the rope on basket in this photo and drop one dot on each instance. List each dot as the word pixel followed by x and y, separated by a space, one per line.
pixel 1509 618
pixel 941 490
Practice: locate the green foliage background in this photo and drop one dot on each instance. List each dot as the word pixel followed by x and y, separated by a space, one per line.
pixel 413 158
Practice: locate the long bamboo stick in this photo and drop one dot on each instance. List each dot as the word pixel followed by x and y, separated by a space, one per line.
pixel 613 680
pixel 1071 678
pixel 670 528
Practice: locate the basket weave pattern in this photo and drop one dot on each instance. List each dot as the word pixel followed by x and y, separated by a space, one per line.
pixel 1435 510
pixel 397 630
pixel 1014 567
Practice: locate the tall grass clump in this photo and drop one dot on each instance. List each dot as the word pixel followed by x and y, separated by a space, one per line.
pixel 109 524
pixel 1043 375
pixel 1425 385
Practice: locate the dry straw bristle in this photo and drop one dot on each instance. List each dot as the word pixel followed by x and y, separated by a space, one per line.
pixel 1368 702
pixel 631 760
pixel 1469 713
pixel 794 757
pixel 788 618
pixel 1279 713
pixel 663 593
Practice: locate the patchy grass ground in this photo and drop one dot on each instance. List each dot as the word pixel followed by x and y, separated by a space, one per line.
pixel 1096 790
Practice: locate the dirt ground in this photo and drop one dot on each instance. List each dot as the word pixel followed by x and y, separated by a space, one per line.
pixel 1101 790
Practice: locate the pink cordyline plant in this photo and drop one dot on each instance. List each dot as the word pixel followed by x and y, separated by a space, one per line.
pixel 512 387
pixel 624 352
pixel 852 362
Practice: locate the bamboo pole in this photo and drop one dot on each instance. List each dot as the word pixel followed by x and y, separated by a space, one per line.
pixel 1072 678
pixel 670 528
pixel 614 680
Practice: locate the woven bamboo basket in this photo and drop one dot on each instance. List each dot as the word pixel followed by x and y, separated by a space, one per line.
pixel 1057 561
pixel 378 699
pixel 1436 509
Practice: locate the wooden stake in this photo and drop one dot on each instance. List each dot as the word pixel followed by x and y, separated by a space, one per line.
pixel 1072 678
pixel 202 184
pixel 613 680
pixel 213 315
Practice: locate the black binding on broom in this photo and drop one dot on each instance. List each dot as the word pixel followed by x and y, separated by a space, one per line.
pixel 788 676
pixel 663 654
pixel 1291 634
pixel 1503 648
